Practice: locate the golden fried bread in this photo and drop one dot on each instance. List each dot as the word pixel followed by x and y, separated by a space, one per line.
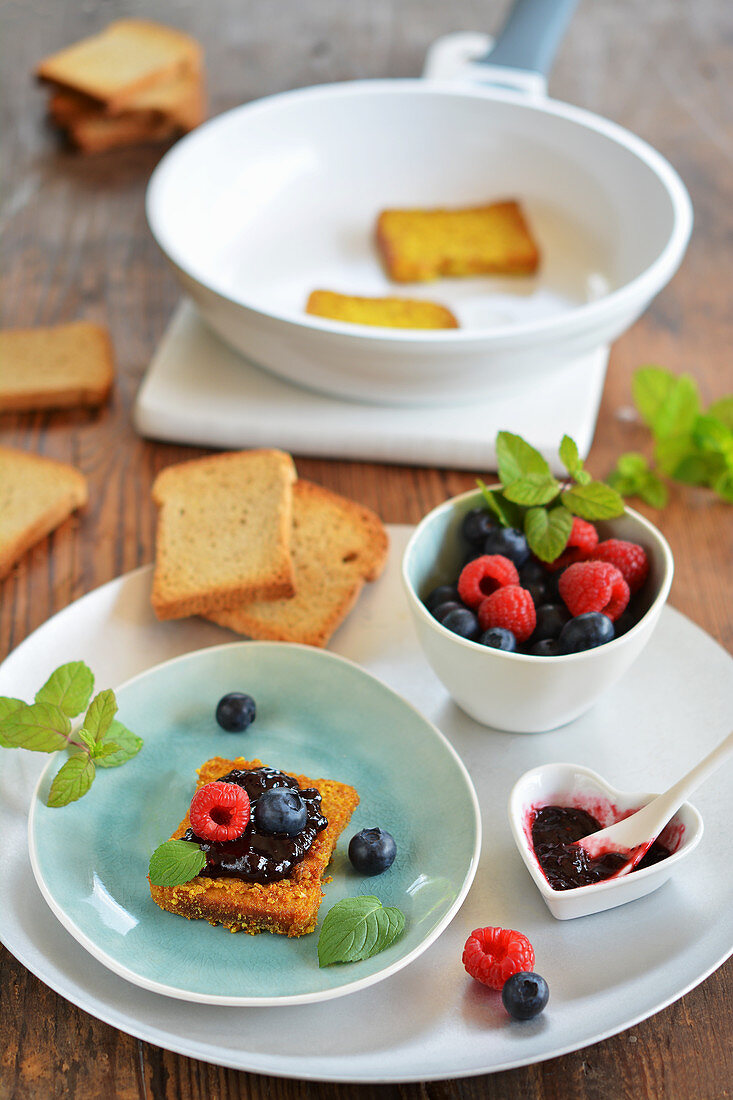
pixel 290 906
pixel 386 312
pixel 419 245
pixel 56 367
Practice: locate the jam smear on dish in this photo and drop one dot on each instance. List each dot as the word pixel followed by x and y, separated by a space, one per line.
pixel 554 831
pixel 255 856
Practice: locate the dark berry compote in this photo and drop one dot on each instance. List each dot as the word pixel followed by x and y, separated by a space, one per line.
pixel 554 832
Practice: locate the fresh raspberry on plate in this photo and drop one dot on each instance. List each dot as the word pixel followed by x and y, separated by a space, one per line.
pixel 510 607
pixel 219 811
pixel 628 557
pixel 492 955
pixel 583 539
pixel 484 575
pixel 594 586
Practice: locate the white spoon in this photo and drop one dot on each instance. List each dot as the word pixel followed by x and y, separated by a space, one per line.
pixel 635 834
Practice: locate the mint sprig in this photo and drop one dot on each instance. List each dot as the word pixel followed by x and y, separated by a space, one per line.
pixel 691 446
pixel 534 501
pixel 45 726
pixel 357 928
pixel 174 862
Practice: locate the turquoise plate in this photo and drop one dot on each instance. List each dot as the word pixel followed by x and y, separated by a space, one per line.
pixel 317 715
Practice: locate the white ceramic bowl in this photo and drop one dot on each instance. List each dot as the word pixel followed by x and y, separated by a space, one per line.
pixel 580 788
pixel 273 199
pixel 513 691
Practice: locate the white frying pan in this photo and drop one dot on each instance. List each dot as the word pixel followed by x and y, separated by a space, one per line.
pixel 275 198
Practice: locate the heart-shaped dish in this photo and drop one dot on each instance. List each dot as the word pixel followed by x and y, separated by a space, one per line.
pixel 575 786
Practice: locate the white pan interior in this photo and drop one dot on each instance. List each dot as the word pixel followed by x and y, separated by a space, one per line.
pixel 274 199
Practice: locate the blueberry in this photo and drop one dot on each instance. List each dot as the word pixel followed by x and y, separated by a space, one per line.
pixel 372 851
pixel 552 594
pixel 235 712
pixel 498 638
pixel 585 632
pixel 441 594
pixel 548 647
pixel 538 592
pixel 280 810
pixel 551 618
pixel 463 622
pixel 525 995
pixel 442 609
pixel 533 572
pixel 476 525
pixel 509 542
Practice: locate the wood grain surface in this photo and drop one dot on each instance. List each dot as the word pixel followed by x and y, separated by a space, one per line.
pixel 75 244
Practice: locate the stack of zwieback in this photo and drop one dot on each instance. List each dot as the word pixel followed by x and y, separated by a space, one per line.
pixel 135 82
pixel 243 543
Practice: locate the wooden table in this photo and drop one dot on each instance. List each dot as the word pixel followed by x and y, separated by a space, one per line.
pixel 76 245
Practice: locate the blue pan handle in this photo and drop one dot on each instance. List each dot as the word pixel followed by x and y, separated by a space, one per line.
pixel 531 35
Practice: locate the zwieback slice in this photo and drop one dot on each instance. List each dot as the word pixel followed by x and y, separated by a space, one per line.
pixel 223 532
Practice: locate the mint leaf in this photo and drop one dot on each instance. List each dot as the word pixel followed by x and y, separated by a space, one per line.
pixel 699 469
pixel 709 434
pixel 653 491
pixel 102 710
pixel 7 707
pixel 126 744
pixel 533 489
pixel 593 501
pixel 633 465
pixel 86 739
pixel 72 780
pixel 722 410
pixel 175 862
pixel 42 727
pixel 548 531
pixel 69 687
pixel 569 456
pixel 508 514
pixel 668 403
pixel 516 458
pixel 723 486
pixel 357 928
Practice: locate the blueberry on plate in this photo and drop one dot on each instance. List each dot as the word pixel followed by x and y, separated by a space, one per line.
pixel 463 622
pixel 586 632
pixel 497 637
pixel 551 618
pixel 510 542
pixel 441 594
pixel 476 525
pixel 532 572
pixel 372 851
pixel 525 995
pixel 280 810
pixel 537 591
pixel 235 712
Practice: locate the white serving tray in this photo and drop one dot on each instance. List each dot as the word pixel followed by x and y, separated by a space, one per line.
pixel 198 391
pixel 606 972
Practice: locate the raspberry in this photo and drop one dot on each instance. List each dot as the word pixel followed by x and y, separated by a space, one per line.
pixel 510 607
pixel 492 955
pixel 594 586
pixel 484 575
pixel 219 811
pixel 583 538
pixel 628 557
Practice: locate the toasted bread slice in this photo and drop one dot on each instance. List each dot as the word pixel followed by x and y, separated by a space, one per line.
pixel 387 312
pixel 121 61
pixel 290 906
pixel 36 495
pixel 56 367
pixel 223 532
pixel 96 132
pixel 336 546
pixel 418 245
pixel 180 100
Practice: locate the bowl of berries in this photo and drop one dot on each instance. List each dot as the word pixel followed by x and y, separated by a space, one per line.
pixel 532 597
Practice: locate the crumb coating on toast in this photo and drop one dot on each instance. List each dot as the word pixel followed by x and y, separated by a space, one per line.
pixel 290 906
